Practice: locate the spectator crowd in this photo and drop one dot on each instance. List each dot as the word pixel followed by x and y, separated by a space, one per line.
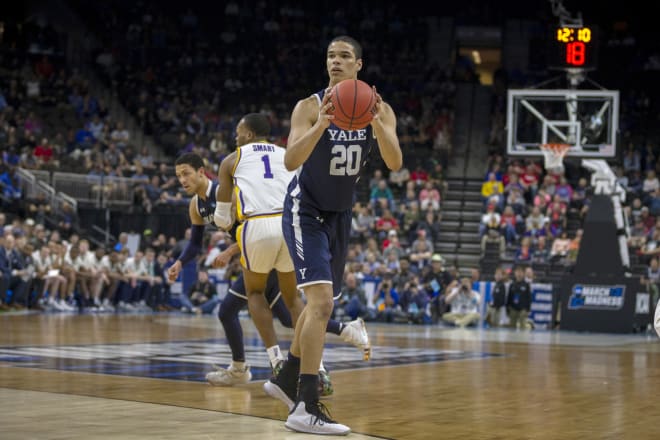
pixel 185 83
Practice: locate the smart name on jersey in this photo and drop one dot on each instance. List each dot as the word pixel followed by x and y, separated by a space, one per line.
pixel 597 297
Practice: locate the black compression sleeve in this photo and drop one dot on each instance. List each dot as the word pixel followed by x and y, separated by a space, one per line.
pixel 194 245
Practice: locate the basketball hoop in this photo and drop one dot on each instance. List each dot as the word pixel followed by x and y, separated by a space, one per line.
pixel 554 156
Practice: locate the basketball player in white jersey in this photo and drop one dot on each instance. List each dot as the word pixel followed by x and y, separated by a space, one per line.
pixel 255 172
pixel 191 175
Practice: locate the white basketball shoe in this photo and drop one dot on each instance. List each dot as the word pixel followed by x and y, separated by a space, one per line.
pixel 355 332
pixel 314 419
pixel 227 377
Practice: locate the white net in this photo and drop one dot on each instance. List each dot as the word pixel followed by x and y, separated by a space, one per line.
pixel 554 156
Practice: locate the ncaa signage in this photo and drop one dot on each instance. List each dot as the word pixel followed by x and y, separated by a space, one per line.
pixel 597 297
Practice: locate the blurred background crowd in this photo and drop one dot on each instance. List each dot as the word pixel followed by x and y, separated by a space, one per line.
pixel 98 99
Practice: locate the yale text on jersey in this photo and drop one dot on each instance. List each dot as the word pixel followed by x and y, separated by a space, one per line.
pixel 344 135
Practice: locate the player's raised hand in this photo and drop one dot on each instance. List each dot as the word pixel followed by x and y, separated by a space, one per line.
pixel 377 105
pixel 326 109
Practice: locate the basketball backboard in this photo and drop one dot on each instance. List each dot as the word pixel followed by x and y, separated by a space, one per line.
pixel 587 120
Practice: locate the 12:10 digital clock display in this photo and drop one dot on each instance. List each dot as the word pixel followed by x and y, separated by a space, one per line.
pixel 566 34
pixel 575 46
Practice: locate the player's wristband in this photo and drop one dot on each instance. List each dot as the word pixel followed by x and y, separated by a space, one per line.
pixel 222 216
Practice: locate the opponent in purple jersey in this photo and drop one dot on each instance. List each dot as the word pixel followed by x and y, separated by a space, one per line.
pixel 316 223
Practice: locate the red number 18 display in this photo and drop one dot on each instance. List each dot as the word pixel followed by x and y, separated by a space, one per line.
pixel 575 54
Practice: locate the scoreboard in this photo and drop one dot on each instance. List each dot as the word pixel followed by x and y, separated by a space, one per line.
pixel 573 47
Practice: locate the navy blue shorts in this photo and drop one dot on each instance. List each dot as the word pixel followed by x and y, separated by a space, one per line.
pixel 317 241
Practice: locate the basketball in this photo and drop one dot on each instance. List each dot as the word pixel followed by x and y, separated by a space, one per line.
pixel 353 102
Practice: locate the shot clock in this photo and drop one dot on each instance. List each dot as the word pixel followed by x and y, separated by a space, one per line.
pixel 573 47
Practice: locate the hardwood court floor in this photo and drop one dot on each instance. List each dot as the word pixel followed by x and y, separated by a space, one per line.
pixel 142 377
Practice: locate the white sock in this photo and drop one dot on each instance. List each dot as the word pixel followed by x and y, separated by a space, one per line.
pixel 321 367
pixel 274 354
pixel 238 366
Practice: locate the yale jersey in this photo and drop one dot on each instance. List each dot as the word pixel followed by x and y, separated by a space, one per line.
pixel 327 179
pixel 260 179
pixel 206 207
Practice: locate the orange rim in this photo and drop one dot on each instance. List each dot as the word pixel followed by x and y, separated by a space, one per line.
pixel 556 148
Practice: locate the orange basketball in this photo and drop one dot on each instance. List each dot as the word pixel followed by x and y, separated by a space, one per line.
pixel 353 102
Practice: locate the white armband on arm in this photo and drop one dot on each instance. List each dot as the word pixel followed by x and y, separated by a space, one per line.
pixel 223 216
